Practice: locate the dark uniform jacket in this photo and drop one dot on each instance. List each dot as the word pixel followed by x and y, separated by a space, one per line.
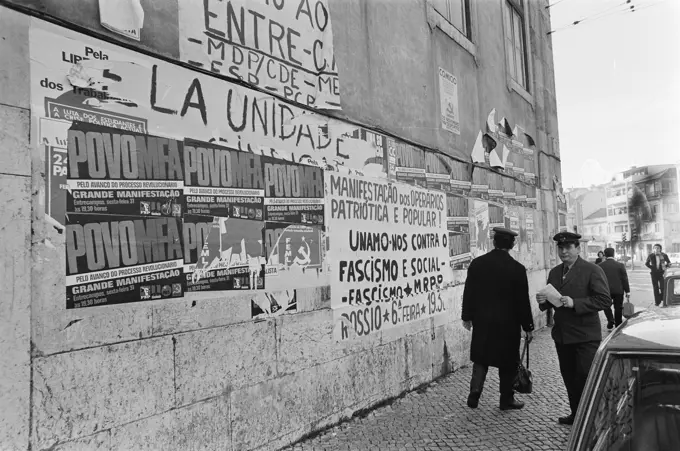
pixel 651 262
pixel 617 277
pixel 496 300
pixel 587 285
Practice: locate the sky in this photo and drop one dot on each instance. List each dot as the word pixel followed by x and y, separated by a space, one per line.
pixel 618 86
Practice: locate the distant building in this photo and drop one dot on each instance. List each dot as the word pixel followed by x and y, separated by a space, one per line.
pixel 604 216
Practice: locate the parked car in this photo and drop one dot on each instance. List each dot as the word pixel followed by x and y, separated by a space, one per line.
pixel 674 257
pixel 631 400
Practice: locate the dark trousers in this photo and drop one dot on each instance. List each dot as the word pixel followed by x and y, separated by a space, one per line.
pixel 575 360
pixel 657 286
pixel 617 304
pixel 506 376
pixel 608 314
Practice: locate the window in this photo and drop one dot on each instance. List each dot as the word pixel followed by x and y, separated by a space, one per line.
pixel 457 12
pixel 670 207
pixel 655 209
pixel 636 405
pixel 515 44
pixel 656 227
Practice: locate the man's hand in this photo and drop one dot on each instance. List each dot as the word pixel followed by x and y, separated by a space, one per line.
pixel 541 298
pixel 628 296
pixel 567 301
pixel 529 337
pixel 467 325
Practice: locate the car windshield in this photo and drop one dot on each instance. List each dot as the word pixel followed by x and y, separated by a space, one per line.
pixel 636 405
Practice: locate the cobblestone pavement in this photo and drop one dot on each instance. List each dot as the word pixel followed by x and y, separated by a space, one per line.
pixel 437 417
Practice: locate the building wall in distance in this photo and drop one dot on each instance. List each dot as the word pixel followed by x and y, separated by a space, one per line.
pixel 209 370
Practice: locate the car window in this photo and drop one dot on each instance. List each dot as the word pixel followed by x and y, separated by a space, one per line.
pixel 636 406
pixel 676 287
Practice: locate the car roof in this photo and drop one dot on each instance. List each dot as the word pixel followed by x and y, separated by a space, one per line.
pixel 654 329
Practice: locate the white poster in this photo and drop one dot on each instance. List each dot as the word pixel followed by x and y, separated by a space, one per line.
pixel 448 97
pixel 389 253
pixel 75 77
pixel 479 228
pixel 282 46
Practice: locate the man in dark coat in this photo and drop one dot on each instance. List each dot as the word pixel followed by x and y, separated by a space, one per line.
pixel 577 331
pixel 657 264
pixel 617 279
pixel 496 306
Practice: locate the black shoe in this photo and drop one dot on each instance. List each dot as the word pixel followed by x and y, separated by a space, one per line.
pixel 473 400
pixel 513 405
pixel 566 420
pixel 610 325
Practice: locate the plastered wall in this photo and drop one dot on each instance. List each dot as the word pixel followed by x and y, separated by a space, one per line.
pixel 201 371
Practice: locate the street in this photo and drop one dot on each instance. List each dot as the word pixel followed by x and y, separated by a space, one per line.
pixel 437 417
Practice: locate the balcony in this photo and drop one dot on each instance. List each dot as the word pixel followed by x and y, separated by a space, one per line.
pixel 618 218
pixel 623 200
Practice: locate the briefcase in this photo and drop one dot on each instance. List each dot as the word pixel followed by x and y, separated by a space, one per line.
pixel 523 381
pixel 628 309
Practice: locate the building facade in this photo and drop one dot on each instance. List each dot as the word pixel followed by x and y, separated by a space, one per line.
pixel 228 224
pixel 637 209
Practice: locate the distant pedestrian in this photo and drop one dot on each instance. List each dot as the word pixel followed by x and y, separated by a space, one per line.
pixel 617 279
pixel 577 332
pixel 496 306
pixel 657 264
pixel 600 257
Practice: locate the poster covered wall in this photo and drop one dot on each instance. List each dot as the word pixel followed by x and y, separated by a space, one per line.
pixel 79 78
pixel 389 250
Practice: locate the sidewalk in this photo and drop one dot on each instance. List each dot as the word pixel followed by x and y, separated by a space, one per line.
pixel 437 417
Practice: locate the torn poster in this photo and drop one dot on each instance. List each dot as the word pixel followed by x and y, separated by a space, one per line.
pixel 267 305
pixel 223 254
pixel 295 256
pixel 125 17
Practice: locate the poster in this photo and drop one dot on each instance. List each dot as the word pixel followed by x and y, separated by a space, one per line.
pixel 438 169
pixel 509 191
pixel 123 217
pixel 53 137
pixel 458 225
pixel 480 183
pixel 265 304
pixel 479 228
pixel 295 255
pixel 114 172
pixel 121 259
pixel 448 98
pixel 223 254
pixel 409 164
pixel 284 47
pixel 293 192
pixel 389 244
pixel 512 222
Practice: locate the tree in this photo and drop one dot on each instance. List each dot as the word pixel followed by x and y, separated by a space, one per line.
pixel 639 211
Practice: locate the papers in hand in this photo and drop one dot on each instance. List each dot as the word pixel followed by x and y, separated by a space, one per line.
pixel 553 295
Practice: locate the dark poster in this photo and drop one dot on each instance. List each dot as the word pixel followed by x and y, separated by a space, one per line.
pixel 121 259
pixel 293 192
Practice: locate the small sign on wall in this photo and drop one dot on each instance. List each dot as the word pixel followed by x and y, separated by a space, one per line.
pixel 448 97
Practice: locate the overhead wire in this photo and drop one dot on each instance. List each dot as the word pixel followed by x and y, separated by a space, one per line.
pixel 622 8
